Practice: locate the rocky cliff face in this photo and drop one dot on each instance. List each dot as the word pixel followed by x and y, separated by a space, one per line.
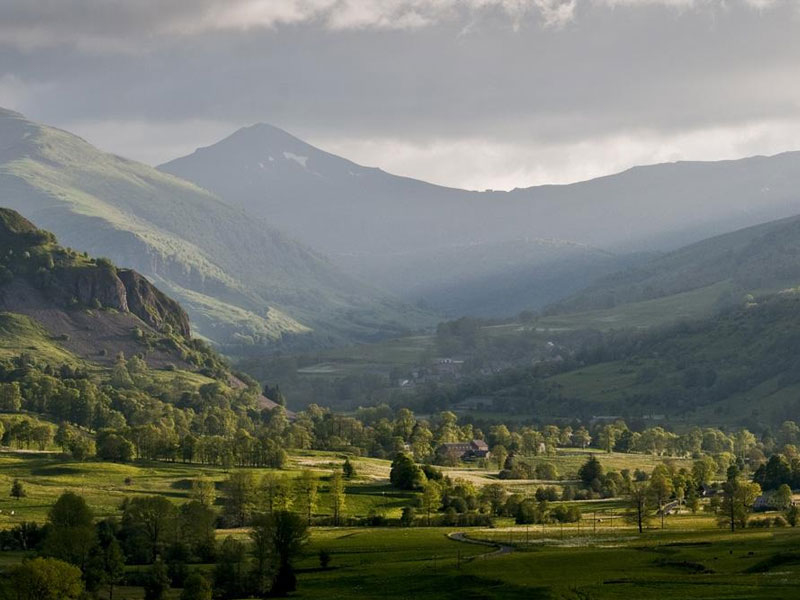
pixel 71 280
pixel 151 305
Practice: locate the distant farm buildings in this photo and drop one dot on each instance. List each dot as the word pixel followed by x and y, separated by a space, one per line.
pixel 465 450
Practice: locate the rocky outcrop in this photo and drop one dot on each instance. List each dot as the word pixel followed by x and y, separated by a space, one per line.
pixel 88 286
pixel 151 305
pixel 31 255
pixel 124 290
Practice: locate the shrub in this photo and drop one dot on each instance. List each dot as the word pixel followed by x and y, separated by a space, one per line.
pixel 760 523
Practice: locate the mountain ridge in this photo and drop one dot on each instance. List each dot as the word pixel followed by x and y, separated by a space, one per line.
pixel 364 217
pixel 243 282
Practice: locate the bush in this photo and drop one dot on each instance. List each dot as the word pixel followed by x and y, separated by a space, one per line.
pixel 375 519
pixel 546 470
pixel 793 515
pixel 432 473
pixel 548 493
pixel 566 514
pixel 760 523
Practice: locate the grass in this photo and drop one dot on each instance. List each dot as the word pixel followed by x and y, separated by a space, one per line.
pixel 691 559
pixel 602 559
pixel 21 333
pixel 644 314
pixel 104 486
pixel 698 563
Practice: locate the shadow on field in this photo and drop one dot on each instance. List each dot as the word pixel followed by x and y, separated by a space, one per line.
pixel 776 560
pixel 446 586
pixel 55 471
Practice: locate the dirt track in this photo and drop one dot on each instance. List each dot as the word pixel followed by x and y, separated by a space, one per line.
pixel 500 549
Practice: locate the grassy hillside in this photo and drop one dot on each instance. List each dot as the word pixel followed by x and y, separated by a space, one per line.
pixel 61 306
pixel 208 254
pixel 718 271
pixel 88 345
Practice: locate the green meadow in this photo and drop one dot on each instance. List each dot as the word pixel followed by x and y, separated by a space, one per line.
pixel 601 557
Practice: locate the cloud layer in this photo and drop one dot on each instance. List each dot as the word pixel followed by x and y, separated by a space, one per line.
pixel 118 25
pixel 476 93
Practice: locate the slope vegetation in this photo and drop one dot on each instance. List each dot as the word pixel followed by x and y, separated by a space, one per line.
pixel 59 306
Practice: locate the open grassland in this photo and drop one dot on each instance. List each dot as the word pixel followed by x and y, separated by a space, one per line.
pixel 674 563
pixel 602 557
pixel 567 461
pixel 21 333
pixel 693 560
pixel 104 485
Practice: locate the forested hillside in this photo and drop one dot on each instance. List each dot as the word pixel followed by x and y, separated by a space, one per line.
pixel 740 366
pixel 101 351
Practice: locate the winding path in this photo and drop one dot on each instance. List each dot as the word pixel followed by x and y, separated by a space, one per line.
pixel 499 549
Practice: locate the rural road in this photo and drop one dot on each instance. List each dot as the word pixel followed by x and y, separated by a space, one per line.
pixel 500 549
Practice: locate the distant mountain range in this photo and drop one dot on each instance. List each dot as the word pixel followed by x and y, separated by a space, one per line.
pixel 216 230
pixel 453 247
pixel 242 282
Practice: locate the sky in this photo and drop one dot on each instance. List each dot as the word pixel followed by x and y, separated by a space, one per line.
pixel 479 94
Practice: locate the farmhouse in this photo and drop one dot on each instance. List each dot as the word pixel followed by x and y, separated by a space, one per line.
pixel 466 450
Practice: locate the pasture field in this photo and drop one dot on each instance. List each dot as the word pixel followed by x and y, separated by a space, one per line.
pixel 567 461
pixel 602 557
pixel 691 559
pixel 689 305
pixel 104 485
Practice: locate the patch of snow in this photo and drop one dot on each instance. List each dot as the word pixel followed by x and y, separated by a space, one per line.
pixel 301 160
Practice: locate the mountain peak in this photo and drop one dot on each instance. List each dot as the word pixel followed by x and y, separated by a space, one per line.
pixel 262 136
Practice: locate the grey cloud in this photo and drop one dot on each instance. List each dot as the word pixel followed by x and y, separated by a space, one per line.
pixel 126 26
pixel 528 78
